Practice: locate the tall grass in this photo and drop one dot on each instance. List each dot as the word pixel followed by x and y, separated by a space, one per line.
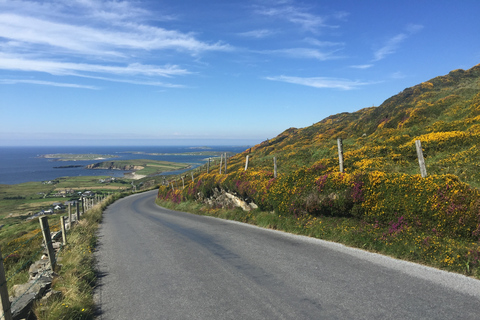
pixel 76 270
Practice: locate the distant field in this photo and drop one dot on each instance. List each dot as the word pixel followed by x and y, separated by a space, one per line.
pixel 21 199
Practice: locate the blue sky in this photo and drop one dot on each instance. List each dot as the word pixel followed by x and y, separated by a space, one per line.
pixel 214 72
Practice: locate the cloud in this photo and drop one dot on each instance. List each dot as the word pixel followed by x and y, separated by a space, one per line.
pixel 96 39
pixel 8 62
pixel 296 15
pixel 303 53
pixel 258 34
pixel 321 82
pixel 48 83
pixel 389 47
pixel 362 66
pixel 392 44
pixel 319 43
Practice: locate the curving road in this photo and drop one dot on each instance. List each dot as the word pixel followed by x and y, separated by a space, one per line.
pixel 160 264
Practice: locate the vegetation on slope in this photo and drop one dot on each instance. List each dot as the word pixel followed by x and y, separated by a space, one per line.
pixel 433 219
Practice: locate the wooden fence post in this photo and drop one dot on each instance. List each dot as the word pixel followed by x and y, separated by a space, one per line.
pixel 64 233
pixel 421 160
pixel 225 163
pixel 70 215
pixel 220 171
pixel 48 241
pixel 208 166
pixel 77 211
pixel 340 153
pixel 274 167
pixel 183 183
pixel 246 163
pixel 193 180
pixel 5 308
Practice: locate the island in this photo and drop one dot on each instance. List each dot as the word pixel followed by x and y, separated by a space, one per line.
pixel 140 167
pixel 193 153
pixel 76 157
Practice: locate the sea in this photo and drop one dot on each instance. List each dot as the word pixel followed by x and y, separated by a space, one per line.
pixel 24 164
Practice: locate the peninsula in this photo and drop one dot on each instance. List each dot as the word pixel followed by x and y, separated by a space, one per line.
pixel 140 167
pixel 76 157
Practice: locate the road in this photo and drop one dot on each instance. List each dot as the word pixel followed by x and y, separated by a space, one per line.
pixel 160 264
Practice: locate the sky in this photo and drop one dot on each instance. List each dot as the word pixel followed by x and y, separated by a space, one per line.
pixel 213 72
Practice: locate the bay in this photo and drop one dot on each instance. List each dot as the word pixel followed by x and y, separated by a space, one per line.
pixel 23 164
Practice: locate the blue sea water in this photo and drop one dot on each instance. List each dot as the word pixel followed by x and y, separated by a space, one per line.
pixel 23 164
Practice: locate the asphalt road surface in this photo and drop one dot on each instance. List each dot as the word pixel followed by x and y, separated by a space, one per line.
pixel 160 264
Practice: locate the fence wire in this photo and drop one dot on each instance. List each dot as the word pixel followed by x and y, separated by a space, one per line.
pixel 29 261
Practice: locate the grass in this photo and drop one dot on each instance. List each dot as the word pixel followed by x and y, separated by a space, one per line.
pixel 76 276
pixel 397 240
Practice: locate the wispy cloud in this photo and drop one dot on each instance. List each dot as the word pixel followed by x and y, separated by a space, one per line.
pixel 48 83
pixel 362 66
pixel 257 34
pixel 304 53
pixel 89 38
pixel 319 43
pixel 389 47
pixel 98 41
pixel 296 15
pixel 321 82
pixel 8 62
pixel 392 44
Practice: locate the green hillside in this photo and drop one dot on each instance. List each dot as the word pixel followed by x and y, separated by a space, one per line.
pixel 380 193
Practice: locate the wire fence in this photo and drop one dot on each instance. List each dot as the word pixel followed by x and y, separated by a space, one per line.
pixel 14 269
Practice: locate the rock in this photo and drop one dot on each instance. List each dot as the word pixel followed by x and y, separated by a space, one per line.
pixel 238 202
pixel 37 286
pixel 51 295
pixel 21 308
pixel 253 205
pixel 38 267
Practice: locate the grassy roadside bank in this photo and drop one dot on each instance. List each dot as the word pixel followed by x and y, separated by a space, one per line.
pixel 76 269
pixel 76 273
pixel 398 240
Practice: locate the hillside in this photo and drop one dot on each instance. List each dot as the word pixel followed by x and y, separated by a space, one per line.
pixel 380 202
pixel 443 113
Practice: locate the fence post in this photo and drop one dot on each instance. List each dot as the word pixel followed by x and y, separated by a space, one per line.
pixel 208 166
pixel 48 241
pixel 220 171
pixel 70 215
pixel 193 180
pixel 340 153
pixel 274 167
pixel 246 163
pixel 421 160
pixel 77 210
pixel 225 163
pixel 64 233
pixel 5 309
pixel 183 183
